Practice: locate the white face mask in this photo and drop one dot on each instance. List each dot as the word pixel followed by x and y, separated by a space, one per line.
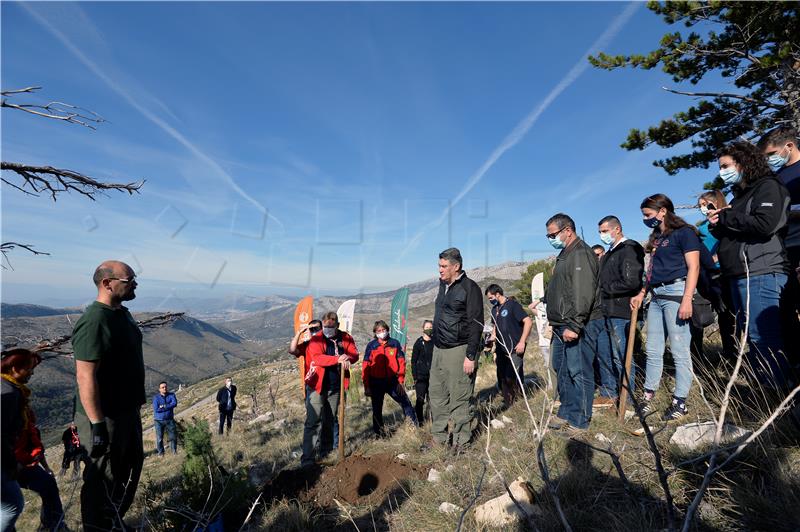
pixel 382 335
pixel 329 332
pixel 704 210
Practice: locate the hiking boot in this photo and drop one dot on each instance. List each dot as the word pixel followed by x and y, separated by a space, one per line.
pixel 556 423
pixel 676 410
pixel 574 432
pixel 604 402
pixel 646 402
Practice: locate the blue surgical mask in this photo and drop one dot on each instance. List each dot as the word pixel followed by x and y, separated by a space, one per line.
pixel 652 223
pixel 730 175
pixel 556 242
pixel 606 238
pixel 776 162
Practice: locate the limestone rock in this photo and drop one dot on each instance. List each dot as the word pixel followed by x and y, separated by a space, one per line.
pixel 497 424
pixel 696 435
pixel 501 511
pixel 263 418
pixel 434 475
pixel 450 468
pixel 602 438
pixel 402 456
pixel 280 424
pixel 507 420
pixel 449 508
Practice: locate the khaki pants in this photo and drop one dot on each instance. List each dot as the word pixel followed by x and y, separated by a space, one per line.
pixel 110 482
pixel 451 395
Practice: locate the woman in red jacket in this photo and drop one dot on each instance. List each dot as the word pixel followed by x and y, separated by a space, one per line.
pixel 383 372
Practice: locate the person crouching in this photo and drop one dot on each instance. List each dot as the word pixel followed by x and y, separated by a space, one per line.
pixel 383 372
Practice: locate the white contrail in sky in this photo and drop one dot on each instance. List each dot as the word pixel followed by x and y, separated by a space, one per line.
pixel 158 121
pixel 513 138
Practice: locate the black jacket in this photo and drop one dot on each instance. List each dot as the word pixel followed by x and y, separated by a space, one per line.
pixel 620 278
pixel 570 295
pixel 458 319
pixel 421 358
pixel 753 227
pixel 222 398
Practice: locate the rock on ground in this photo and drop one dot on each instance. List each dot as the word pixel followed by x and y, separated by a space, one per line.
pixel 434 475
pixel 497 424
pixel 449 508
pixel 263 418
pixel 696 435
pixel 501 511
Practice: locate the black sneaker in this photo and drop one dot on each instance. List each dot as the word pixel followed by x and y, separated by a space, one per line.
pixel 675 411
pixel 646 402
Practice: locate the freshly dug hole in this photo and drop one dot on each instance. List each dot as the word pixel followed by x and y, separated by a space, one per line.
pixel 363 479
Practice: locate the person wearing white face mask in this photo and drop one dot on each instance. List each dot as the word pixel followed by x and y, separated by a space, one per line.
pixel 752 256
pixel 327 352
pixel 707 201
pixel 383 372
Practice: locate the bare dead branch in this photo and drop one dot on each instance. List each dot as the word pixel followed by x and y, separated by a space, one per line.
pixel 54 110
pixel 60 347
pixel 550 486
pixel 55 181
pixel 5 247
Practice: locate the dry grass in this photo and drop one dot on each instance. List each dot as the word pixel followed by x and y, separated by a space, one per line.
pixel 760 491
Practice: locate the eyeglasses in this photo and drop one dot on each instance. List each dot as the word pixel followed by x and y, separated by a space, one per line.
pixel 123 280
pixel 553 235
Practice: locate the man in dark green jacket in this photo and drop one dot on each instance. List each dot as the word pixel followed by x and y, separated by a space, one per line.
pixel 570 298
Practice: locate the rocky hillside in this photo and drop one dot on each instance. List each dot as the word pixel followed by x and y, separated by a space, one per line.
pixel 182 352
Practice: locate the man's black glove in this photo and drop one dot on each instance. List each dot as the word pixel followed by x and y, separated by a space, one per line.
pixel 99 439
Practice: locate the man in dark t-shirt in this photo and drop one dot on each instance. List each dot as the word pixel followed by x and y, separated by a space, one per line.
pixel 109 368
pixel 512 325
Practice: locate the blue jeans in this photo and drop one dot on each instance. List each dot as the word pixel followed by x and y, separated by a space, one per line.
pixel 572 363
pixel 596 339
pixel 169 425
pixel 662 324
pixel 39 481
pixel 618 329
pixel 764 334
pixel 11 503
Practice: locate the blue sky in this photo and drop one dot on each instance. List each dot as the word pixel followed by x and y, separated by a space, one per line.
pixel 323 148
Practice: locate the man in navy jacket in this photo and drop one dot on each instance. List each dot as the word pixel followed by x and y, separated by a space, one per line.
pixel 164 403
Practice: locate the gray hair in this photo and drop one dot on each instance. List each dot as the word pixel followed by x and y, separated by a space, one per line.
pixel 453 256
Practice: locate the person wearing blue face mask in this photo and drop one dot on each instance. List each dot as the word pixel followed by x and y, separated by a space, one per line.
pixel 752 256
pixel 620 279
pixel 783 156
pixel 577 322
pixel 672 275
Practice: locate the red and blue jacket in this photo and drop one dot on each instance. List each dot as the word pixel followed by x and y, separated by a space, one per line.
pixel 383 360
pixel 322 356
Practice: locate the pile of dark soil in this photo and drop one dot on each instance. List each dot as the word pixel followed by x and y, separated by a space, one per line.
pixel 356 480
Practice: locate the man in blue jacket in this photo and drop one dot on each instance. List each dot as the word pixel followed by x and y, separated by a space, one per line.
pixel 164 403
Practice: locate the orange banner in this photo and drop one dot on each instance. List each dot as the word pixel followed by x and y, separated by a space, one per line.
pixel 303 314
